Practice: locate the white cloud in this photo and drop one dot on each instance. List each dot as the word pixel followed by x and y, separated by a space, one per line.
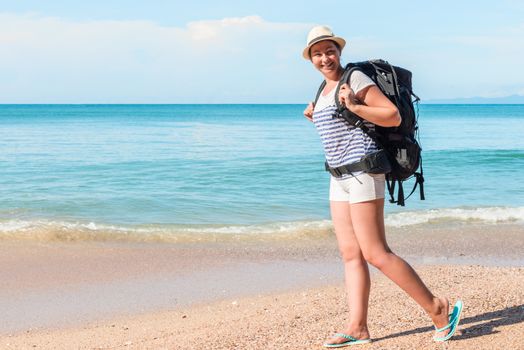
pixel 48 59
pixel 245 59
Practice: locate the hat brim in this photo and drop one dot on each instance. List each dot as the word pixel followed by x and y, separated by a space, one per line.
pixel 341 43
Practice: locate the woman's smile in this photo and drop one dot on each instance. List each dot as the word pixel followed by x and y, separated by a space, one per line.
pixel 329 66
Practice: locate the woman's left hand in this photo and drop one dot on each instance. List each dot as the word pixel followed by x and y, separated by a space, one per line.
pixel 347 97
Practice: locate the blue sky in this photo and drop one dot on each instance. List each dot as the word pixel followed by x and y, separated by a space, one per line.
pixel 161 51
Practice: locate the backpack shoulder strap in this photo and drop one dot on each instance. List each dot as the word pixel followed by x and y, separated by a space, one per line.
pixel 346 76
pixel 345 114
pixel 322 86
pixel 345 79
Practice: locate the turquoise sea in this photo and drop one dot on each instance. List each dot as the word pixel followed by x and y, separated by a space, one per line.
pixel 184 172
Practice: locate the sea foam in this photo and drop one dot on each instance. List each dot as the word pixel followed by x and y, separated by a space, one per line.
pixel 55 230
pixel 487 215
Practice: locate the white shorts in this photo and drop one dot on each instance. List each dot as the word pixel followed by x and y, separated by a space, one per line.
pixel 361 188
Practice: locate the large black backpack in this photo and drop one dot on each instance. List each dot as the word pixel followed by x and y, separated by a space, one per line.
pixel 400 143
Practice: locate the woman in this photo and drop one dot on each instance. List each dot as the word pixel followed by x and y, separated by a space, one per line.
pixel 357 199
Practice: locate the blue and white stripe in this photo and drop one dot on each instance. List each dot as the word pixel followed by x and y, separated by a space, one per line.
pixel 343 143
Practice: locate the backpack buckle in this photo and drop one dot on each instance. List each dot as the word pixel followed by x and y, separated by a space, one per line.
pixel 333 171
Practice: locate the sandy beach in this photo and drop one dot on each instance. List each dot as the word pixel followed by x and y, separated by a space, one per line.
pixel 254 294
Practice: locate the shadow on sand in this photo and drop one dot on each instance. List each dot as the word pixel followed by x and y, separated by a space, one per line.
pixel 483 324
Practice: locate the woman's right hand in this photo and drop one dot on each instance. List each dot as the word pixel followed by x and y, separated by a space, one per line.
pixel 347 97
pixel 308 112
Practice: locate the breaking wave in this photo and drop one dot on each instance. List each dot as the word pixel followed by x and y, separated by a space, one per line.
pixel 54 230
pixel 486 215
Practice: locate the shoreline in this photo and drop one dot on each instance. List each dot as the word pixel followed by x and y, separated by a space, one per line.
pixel 303 319
pixel 53 290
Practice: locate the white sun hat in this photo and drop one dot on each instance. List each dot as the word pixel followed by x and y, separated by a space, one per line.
pixel 320 33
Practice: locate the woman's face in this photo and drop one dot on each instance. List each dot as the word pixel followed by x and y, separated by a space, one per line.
pixel 325 56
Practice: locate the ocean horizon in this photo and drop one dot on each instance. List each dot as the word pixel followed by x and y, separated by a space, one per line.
pixel 175 172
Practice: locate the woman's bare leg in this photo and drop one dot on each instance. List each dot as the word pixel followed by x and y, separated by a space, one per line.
pixel 356 272
pixel 368 226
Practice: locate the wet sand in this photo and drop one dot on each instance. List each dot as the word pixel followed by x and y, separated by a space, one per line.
pixel 252 294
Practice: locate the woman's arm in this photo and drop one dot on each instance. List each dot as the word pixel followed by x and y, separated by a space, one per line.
pixel 374 106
